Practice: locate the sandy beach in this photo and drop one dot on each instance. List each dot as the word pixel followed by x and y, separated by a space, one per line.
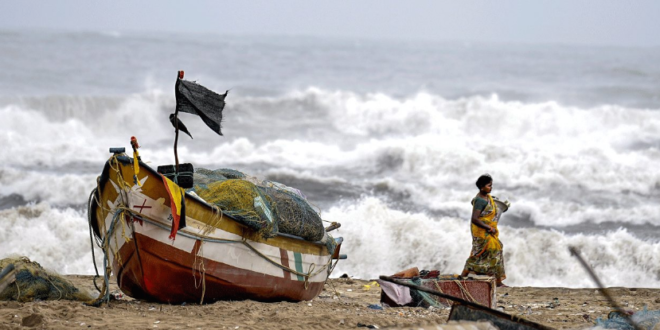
pixel 344 304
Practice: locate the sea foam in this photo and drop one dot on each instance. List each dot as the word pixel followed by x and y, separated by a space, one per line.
pixel 397 172
pixel 382 241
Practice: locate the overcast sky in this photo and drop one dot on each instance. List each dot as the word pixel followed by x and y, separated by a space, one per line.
pixel 590 22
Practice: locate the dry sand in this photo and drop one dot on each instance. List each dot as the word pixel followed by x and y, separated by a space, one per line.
pixel 342 305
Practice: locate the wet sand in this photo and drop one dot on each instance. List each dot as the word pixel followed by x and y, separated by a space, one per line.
pixel 344 304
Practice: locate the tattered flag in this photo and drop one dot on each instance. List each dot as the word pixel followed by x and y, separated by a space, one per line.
pixel 198 100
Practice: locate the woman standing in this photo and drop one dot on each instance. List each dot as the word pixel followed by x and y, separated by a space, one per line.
pixel 486 257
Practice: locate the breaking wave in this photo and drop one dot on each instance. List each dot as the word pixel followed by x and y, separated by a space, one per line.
pixel 397 172
pixel 383 241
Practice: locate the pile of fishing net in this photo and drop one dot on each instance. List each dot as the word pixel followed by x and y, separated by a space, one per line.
pixel 265 206
pixel 24 280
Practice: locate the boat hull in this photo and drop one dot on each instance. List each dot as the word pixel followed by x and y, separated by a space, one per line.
pixel 213 258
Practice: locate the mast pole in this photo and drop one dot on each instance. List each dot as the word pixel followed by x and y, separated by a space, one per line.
pixel 176 126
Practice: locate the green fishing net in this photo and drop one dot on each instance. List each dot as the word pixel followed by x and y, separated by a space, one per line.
pixel 265 206
pixel 296 216
pixel 243 201
pixel 24 280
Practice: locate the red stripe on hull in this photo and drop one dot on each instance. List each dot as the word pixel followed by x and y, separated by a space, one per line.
pixel 196 247
pixel 284 256
pixel 163 273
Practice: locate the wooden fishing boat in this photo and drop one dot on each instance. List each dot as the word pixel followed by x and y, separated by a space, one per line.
pixel 214 257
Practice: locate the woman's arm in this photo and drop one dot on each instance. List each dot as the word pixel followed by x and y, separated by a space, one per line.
pixel 479 223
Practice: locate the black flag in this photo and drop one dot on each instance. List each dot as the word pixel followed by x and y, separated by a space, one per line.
pixel 199 100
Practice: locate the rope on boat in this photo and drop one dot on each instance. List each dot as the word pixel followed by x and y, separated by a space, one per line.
pixel 105 246
pixel 465 292
pixel 104 295
pixel 202 283
pixel 91 235
pixel 216 219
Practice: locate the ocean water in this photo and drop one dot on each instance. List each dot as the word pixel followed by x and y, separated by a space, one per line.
pixel 385 137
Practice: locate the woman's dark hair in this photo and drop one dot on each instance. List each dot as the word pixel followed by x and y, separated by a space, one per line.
pixel 484 180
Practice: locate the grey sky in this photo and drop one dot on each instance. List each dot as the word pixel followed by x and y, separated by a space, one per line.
pixel 591 22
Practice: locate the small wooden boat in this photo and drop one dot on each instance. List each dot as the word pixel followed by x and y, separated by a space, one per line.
pixel 213 258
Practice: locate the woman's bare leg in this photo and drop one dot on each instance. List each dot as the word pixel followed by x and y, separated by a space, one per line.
pixel 499 283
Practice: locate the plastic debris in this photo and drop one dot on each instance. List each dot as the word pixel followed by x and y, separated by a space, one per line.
pixel 368 287
pixel 645 319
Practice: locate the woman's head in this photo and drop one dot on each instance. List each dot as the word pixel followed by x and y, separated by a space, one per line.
pixel 485 182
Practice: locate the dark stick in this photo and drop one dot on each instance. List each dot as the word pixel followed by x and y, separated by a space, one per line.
pixel 179 75
pixel 437 293
pixel 176 140
pixel 464 302
pixel 601 288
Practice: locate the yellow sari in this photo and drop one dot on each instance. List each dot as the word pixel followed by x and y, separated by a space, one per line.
pixel 486 257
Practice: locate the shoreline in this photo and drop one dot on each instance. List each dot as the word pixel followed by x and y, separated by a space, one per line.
pixel 344 303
